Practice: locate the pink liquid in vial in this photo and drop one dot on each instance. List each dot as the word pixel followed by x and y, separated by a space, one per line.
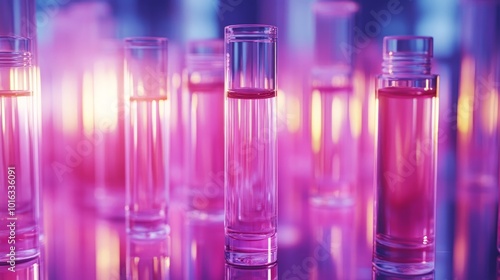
pixel 206 151
pixel 405 225
pixel 148 167
pixel 251 177
pixel 334 148
pixel 18 176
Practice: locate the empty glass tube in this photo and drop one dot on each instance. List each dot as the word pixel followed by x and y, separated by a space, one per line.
pixel 334 128
pixel 405 206
pixel 146 137
pixel 205 140
pixel 250 145
pixel 19 168
pixel 109 112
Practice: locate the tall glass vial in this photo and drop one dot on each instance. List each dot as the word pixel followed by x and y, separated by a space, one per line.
pixel 334 120
pixel 109 130
pixel 407 115
pixel 146 137
pixel 19 169
pixel 205 141
pixel 250 150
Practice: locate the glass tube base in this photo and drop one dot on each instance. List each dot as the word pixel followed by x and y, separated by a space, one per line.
pixel 399 259
pixel 251 249
pixel 404 268
pixel 154 228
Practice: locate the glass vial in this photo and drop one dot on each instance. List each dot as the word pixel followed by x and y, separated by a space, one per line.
pixel 147 196
pixel 250 150
pixel 19 168
pixel 109 130
pixel 205 141
pixel 407 115
pixel 334 130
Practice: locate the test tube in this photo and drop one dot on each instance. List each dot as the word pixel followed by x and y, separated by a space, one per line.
pixel 19 167
pixel 147 195
pixel 109 118
pixel 17 19
pixel 335 122
pixel 250 150
pixel 477 108
pixel 205 141
pixel 407 116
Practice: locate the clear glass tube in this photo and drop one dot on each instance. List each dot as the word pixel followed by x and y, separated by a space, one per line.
pixel 19 168
pixel 205 140
pixel 250 145
pixel 477 109
pixel 147 197
pixel 407 115
pixel 108 129
pixel 333 131
pixel 17 19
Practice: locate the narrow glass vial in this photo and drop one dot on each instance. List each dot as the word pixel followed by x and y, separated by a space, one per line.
pixel 250 153
pixel 405 207
pixel 333 121
pixel 109 130
pixel 19 174
pixel 205 140
pixel 146 137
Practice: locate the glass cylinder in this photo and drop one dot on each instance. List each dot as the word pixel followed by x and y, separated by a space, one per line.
pixel 477 108
pixel 250 186
pixel 405 206
pixel 109 130
pixel 335 116
pixel 205 141
pixel 17 18
pixel 146 130
pixel 19 168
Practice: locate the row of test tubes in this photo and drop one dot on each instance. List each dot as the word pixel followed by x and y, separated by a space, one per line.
pixel 136 129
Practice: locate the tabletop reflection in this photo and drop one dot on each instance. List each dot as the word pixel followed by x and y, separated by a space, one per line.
pixel 30 270
pixel 251 273
pixel 382 275
pixel 148 259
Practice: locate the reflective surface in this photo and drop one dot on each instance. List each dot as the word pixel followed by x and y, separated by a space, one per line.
pixel 324 244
